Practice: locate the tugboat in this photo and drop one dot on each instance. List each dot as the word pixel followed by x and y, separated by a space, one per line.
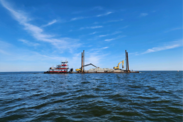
pixel 63 68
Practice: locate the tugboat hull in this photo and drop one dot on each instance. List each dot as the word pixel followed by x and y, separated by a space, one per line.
pixel 54 72
pixel 63 68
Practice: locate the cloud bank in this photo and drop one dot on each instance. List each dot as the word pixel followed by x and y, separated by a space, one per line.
pixel 143 14
pixel 50 23
pixel 167 47
pixel 38 33
pixel 104 14
pixel 28 42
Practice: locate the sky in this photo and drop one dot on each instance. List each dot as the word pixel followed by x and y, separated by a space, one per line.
pixel 38 34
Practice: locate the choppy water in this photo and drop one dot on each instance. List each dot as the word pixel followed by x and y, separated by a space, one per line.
pixel 147 96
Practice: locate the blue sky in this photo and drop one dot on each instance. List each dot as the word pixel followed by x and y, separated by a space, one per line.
pixel 37 34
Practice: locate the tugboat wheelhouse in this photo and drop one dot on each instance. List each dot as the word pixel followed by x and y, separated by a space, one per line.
pixel 60 68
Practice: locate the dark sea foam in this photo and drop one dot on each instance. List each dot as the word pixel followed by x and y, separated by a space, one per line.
pixel 144 96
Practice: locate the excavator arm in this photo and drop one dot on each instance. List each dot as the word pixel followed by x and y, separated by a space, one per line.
pixel 119 63
pixel 78 70
pixel 89 64
pixel 117 67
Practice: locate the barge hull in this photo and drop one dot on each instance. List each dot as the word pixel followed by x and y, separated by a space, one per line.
pixel 86 72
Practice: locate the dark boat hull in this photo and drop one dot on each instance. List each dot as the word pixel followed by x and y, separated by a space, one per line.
pixel 86 72
pixel 48 72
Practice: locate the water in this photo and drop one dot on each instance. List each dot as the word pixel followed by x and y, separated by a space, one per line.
pixel 144 96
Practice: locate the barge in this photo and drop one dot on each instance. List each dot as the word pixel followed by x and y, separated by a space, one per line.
pixel 64 68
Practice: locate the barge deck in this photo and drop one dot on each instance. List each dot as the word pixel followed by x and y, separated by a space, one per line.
pixel 87 72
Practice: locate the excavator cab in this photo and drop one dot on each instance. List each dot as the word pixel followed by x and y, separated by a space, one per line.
pixel 116 68
pixel 78 70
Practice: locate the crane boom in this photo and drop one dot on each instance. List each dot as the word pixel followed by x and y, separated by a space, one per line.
pixel 90 64
pixel 78 70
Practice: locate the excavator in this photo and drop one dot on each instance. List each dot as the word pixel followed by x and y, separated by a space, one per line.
pixel 79 70
pixel 117 67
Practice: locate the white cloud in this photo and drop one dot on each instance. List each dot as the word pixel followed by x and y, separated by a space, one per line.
pixel 95 58
pixel 173 29
pixel 77 18
pixel 143 14
pixel 83 28
pixel 15 54
pixel 104 14
pixel 92 9
pixel 28 42
pixel 37 61
pixel 124 27
pixel 4 44
pixel 50 23
pixel 105 47
pixel 156 49
pixel 116 32
pixel 135 53
pixel 92 27
pixel 121 36
pixel 3 52
pixel 92 33
pixel 107 40
pixel 113 21
pixel 95 22
pixel 102 35
pixel 97 7
pixel 38 33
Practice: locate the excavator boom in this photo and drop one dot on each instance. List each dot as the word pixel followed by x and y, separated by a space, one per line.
pixel 117 67
pixel 78 70
pixel 90 64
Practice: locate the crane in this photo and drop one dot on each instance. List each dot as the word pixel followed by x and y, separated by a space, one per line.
pixel 117 67
pixel 79 70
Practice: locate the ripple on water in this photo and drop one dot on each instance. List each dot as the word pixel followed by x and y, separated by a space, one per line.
pixel 54 95
pixel 145 96
pixel 85 82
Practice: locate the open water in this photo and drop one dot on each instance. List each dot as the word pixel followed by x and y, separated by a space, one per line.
pixel 144 96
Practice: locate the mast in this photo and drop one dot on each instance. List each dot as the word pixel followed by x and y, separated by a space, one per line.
pixel 127 61
pixel 82 61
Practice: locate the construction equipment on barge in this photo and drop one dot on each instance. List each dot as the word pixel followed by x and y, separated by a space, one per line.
pixel 79 70
pixel 106 70
pixel 117 67
pixel 63 68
